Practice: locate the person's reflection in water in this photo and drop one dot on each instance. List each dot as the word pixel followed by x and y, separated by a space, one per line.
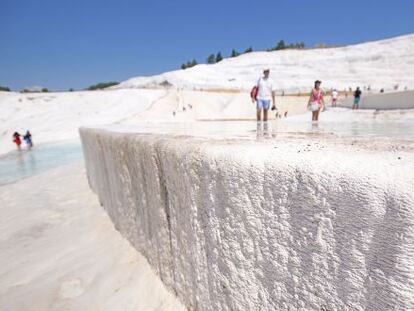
pixel 258 130
pixel 355 129
pixel 263 132
pixel 266 133
pixel 273 131
pixel 20 163
pixel 32 163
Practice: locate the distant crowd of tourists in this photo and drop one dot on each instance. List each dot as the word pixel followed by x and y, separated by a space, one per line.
pixel 263 95
pixel 26 137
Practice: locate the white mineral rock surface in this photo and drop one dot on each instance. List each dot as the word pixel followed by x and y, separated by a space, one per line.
pixel 386 101
pixel 276 224
pixel 381 64
pixel 59 251
pixel 56 116
pixel 296 216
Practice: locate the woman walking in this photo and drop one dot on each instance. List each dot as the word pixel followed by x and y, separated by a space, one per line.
pixel 316 102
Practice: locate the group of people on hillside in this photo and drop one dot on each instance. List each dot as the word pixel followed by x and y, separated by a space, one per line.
pixel 264 94
pixel 27 138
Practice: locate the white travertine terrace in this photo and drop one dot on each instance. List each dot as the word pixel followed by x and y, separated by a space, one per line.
pixel 386 101
pixel 262 225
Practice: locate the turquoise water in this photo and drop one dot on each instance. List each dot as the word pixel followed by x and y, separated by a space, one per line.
pixel 17 165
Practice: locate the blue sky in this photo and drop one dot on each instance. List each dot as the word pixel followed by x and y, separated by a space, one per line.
pixel 73 44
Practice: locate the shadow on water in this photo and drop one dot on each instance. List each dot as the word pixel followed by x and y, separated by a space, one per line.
pixel 17 165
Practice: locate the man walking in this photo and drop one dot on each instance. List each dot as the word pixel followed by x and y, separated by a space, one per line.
pixel 265 95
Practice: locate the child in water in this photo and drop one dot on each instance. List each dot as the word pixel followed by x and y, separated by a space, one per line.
pixel 28 139
pixel 17 140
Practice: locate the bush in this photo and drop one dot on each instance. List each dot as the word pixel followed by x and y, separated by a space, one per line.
pixel 4 88
pixel 102 85
pixel 165 83
pixel 45 90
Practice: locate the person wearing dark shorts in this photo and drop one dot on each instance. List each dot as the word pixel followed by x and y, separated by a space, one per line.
pixel 357 98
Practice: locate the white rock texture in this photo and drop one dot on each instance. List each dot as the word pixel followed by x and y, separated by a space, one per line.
pixel 246 225
pixel 379 64
pixel 386 101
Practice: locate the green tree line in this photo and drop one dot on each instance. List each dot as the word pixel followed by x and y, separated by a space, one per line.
pixel 215 58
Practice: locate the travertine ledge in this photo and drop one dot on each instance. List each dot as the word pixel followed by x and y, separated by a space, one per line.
pixel 251 225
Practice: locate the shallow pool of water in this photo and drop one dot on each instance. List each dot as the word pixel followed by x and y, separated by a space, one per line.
pixel 17 165
pixel 338 123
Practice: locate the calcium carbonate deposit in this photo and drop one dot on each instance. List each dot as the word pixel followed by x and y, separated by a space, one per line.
pixel 266 222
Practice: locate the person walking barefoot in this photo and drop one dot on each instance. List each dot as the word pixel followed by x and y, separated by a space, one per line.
pixel 17 140
pixel 357 98
pixel 265 94
pixel 334 96
pixel 316 102
pixel 28 139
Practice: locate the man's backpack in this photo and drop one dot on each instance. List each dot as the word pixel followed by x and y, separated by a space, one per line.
pixel 254 92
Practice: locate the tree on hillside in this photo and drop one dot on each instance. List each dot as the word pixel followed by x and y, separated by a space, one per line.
pixel 211 59
pixel 4 88
pixel 248 50
pixel 189 64
pixel 219 58
pixel 234 53
pixel 45 90
pixel 280 45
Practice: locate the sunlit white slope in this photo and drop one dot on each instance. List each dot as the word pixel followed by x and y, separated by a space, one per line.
pixel 381 64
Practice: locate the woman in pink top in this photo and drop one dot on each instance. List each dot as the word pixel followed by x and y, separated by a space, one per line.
pixel 316 102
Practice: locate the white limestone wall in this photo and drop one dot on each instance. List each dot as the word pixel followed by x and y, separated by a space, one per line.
pixel 262 226
pixel 385 101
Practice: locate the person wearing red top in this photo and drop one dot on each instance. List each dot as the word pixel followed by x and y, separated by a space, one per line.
pixel 17 140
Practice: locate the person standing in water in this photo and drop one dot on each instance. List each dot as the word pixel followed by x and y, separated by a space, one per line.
pixel 316 102
pixel 265 95
pixel 334 96
pixel 28 139
pixel 357 98
pixel 17 140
